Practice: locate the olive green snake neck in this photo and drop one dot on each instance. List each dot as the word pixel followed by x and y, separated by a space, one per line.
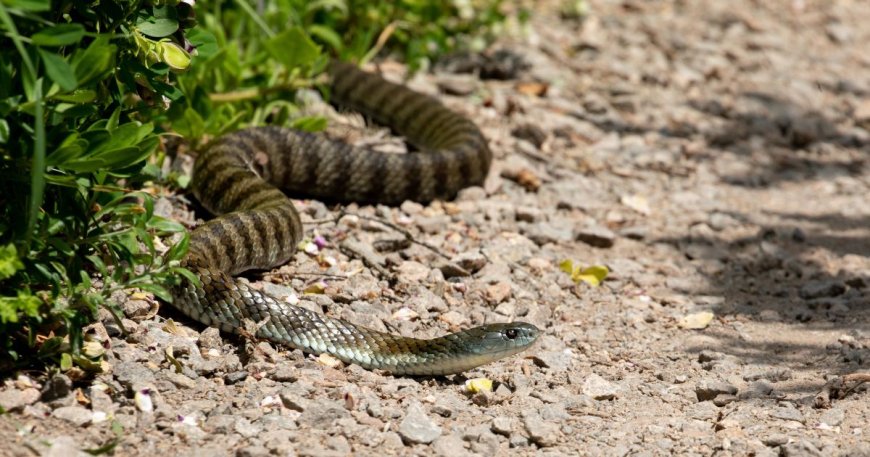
pixel 241 177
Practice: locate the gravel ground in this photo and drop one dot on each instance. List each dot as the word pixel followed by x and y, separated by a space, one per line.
pixel 714 155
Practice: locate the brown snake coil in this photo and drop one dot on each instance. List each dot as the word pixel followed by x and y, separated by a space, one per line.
pixel 238 177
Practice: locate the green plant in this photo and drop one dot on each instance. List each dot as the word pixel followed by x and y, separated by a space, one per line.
pixel 74 147
pixel 87 90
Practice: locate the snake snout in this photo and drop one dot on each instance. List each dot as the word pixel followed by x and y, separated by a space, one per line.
pixel 505 339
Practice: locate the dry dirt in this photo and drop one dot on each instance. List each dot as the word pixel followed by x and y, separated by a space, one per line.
pixel 713 155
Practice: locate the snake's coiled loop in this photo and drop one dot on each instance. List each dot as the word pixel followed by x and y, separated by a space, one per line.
pixel 240 177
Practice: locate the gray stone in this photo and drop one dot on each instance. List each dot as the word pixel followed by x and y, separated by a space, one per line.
pixel 412 272
pixel 709 389
pixel 210 338
pixel 528 214
pixel 776 439
pixel 557 361
pixel 322 414
pixel 253 451
pixel 721 221
pixel 599 388
pixel 136 309
pixel 220 423
pixel 449 446
pixel 635 232
pixel 787 413
pixel 530 132
pixel 75 415
pixel 417 427
pixel 247 428
pixel 179 380
pixel 542 433
pixel 58 386
pixel 63 446
pixel 14 399
pixel 838 32
pixel 471 261
pixel 517 440
pixel 758 389
pixel 503 425
pixel 132 373
pixel 724 399
pixel 285 373
pixel 800 448
pixel 772 375
pixel 542 233
pixel 457 84
pixel 822 288
pixel 833 417
pixel 235 377
pixel 293 401
pixel 597 236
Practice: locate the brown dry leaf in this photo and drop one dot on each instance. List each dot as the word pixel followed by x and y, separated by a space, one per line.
pixel 524 177
pixel 81 398
pixel 533 88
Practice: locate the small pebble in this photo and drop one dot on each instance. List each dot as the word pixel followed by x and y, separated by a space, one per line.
pixel 417 427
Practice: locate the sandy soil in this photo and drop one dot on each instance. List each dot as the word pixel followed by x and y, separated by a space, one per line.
pixel 714 155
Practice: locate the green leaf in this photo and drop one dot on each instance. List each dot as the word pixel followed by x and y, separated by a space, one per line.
pixel 67 152
pixel 310 124
pixel 327 35
pixel 65 361
pixel 159 291
pixel 29 5
pixel 77 96
pixel 173 55
pixel 59 70
pixel 4 131
pixel 59 35
pixel 204 42
pixel 94 62
pixel 192 278
pixel 157 27
pixel 9 261
pixel 162 225
pixel 293 48
pixel 177 251
pixel 11 308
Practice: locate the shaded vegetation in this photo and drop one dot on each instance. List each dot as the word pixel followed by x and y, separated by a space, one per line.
pixel 90 91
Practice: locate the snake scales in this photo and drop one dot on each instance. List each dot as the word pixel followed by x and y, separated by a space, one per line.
pixel 238 177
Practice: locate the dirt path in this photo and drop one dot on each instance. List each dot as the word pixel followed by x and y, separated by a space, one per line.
pixel 714 155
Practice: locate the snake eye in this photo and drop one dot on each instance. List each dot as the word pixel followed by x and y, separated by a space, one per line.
pixel 511 333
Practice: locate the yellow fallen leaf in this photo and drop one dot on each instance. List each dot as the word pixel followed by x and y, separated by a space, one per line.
pixel 476 385
pixel 315 288
pixel 590 275
pixel 696 321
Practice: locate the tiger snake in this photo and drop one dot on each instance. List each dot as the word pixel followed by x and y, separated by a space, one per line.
pixel 242 176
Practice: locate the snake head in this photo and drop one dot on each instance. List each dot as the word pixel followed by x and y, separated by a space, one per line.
pixel 502 340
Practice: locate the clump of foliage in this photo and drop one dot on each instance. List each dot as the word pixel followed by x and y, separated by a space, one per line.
pixel 79 83
pixel 87 90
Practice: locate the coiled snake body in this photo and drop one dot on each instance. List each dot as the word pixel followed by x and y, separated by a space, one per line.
pixel 238 177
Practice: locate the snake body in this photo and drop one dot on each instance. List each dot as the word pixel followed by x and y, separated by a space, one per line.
pixel 240 177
